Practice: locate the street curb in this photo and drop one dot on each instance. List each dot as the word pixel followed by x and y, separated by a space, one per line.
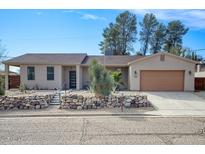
pixel 76 115
pixel 99 115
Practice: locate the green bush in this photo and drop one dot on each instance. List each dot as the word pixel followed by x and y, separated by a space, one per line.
pixel 117 77
pixel 2 86
pixel 101 82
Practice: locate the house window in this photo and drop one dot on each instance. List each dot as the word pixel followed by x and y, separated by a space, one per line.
pixel 50 73
pixel 31 73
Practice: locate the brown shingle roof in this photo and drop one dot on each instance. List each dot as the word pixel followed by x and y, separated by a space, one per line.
pixel 111 60
pixel 69 59
pixel 61 59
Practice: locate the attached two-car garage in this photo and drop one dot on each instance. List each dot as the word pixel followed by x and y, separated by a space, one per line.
pixel 162 80
pixel 162 72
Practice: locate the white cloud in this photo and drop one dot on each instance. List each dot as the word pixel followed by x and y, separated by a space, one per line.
pixel 91 17
pixel 39 13
pixel 191 18
pixel 85 16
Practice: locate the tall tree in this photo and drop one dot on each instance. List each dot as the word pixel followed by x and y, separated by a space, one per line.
pixel 179 51
pixel 120 36
pixel 175 32
pixel 158 38
pixel 148 26
pixel 126 24
pixel 111 40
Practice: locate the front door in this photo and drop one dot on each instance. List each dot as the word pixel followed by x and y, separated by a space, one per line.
pixel 72 79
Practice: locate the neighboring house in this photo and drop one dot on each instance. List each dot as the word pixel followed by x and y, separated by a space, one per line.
pixel 158 72
pixel 202 67
pixel 200 77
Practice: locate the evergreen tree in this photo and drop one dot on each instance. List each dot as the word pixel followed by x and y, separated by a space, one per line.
pixel 148 26
pixel 120 36
pixel 158 38
pixel 174 34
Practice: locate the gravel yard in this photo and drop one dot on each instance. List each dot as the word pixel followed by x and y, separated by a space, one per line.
pixel 87 93
pixel 17 93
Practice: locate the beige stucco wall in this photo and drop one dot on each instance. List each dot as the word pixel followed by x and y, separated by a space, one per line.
pixel 154 63
pixel 41 77
pixel 85 77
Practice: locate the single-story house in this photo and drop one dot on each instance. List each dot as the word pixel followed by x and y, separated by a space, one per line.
pixel 159 72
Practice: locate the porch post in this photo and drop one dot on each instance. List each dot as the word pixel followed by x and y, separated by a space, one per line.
pixel 78 77
pixel 129 76
pixel 6 76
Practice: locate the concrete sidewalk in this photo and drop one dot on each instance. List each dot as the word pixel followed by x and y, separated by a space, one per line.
pixel 53 111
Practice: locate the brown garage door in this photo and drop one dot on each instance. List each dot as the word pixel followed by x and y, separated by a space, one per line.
pixel 162 80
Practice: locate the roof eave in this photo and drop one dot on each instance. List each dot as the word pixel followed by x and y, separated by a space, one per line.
pixel 148 57
pixel 109 65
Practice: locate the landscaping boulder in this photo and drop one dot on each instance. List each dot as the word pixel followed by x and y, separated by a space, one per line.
pixel 73 101
pixel 26 102
pixel 37 107
pixel 127 104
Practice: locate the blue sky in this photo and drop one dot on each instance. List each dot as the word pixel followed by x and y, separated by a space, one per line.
pixel 24 31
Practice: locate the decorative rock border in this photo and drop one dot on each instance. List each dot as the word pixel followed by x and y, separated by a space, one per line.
pixel 79 102
pixel 25 102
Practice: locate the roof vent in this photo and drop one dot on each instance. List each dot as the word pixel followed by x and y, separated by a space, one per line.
pixel 162 57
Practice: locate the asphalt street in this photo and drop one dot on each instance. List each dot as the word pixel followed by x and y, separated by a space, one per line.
pixel 102 130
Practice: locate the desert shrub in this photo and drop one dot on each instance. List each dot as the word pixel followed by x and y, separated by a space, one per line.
pixel 117 77
pixel 101 82
pixel 22 88
pixel 2 86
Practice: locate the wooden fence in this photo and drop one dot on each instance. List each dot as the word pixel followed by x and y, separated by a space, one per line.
pixel 14 81
pixel 199 83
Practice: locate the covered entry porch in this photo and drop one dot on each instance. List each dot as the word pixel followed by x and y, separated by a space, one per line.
pixel 72 77
pixel 12 80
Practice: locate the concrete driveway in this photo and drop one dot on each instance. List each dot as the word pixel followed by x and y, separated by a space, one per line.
pixel 177 103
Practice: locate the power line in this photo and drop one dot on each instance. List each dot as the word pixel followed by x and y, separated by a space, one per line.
pixel 199 50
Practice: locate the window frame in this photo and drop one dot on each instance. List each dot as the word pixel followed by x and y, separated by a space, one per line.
pixel 30 75
pixel 51 78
